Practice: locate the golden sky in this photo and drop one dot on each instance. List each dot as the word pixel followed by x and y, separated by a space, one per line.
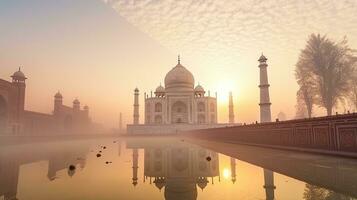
pixel 100 50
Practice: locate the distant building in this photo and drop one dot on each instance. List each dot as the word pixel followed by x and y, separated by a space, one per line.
pixel 15 120
pixel 177 106
pixel 281 116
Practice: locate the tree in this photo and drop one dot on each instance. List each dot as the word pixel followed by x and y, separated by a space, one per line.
pixel 353 94
pixel 312 192
pixel 324 72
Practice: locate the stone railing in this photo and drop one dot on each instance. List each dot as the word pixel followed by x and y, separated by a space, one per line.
pixel 333 134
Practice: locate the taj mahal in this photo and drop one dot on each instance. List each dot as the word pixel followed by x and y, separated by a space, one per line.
pixel 177 106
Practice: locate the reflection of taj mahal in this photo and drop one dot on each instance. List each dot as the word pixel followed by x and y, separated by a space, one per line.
pixel 177 106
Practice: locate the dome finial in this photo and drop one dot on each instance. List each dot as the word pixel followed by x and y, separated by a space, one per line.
pixel 178 59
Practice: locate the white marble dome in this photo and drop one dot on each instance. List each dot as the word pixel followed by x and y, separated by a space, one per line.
pixel 179 79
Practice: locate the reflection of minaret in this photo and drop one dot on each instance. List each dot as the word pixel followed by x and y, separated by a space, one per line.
pixel 120 123
pixel 269 184
pixel 136 106
pixel 231 109
pixel 119 147
pixel 135 166
pixel 233 169
pixel 265 113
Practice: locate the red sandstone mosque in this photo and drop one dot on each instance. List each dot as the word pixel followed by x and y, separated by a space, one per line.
pixel 15 120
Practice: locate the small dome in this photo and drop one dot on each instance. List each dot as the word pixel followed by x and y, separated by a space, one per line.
pixel 76 101
pixel 179 79
pixel 85 107
pixel 136 90
pixel 160 183
pixel 160 89
pixel 58 95
pixel 199 88
pixel 19 75
pixel 202 182
pixel 262 58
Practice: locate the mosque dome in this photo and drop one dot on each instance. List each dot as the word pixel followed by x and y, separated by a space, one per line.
pixel 19 75
pixel 179 79
pixel 76 101
pixel 58 95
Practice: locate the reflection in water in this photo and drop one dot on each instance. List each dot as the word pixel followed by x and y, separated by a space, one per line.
pixel 178 169
pixel 269 184
pixel 313 192
pixel 58 157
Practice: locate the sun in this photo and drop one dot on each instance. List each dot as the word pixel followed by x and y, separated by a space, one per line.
pixel 223 88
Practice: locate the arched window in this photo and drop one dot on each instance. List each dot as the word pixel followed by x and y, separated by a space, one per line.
pixel 158 119
pixel 147 119
pixel 201 107
pixel 158 107
pixel 212 107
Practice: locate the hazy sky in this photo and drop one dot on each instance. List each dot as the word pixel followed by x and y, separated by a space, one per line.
pixel 99 50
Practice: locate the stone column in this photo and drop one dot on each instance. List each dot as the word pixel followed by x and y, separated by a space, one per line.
pixel 265 113
pixel 136 106
pixel 231 109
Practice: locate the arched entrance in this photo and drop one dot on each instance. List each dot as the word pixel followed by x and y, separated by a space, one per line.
pixel 179 113
pixel 3 113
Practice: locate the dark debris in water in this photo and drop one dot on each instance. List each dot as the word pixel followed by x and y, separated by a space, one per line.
pixel 99 155
pixel 72 167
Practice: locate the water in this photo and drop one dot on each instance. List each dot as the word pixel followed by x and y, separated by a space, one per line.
pixel 169 168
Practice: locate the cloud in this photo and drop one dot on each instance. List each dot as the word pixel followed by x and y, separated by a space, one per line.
pixel 228 30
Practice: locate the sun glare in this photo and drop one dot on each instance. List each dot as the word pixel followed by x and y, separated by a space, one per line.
pixel 223 88
pixel 226 173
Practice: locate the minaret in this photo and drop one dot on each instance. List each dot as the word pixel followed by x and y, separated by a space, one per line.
pixel 265 113
pixel 231 109
pixel 76 105
pixel 58 102
pixel 269 184
pixel 135 166
pixel 136 106
pixel 233 169
pixel 18 80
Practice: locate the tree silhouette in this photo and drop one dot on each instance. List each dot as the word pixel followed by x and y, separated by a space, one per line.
pixel 324 72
